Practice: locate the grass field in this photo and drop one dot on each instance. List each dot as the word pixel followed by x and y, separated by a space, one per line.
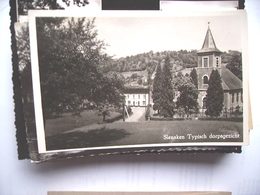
pixel 148 132
pixel 69 122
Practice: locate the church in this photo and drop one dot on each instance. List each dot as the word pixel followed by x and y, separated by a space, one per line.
pixel 209 58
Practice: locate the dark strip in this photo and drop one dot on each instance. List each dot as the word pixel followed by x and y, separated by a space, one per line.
pixel 22 146
pixel 241 4
pixel 130 4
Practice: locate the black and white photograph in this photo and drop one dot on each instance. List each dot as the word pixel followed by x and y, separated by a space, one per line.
pixel 23 6
pixel 136 79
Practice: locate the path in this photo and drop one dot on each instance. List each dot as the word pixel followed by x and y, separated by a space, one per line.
pixel 138 114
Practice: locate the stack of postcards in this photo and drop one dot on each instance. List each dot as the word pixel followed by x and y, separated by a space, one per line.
pixel 97 83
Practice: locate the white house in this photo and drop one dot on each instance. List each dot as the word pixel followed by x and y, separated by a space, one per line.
pixel 136 96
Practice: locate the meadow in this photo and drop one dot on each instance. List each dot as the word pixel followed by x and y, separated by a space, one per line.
pixel 145 132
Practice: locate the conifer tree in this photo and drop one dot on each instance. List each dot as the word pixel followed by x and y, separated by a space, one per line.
pixel 167 92
pixel 215 95
pixel 157 86
pixel 194 77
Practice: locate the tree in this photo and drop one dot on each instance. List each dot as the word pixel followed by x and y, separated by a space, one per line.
pixel 24 64
pixel 215 95
pixel 25 5
pixel 140 81
pixel 235 64
pixel 134 76
pixel 194 77
pixel 188 94
pixel 163 93
pixel 157 87
pixel 167 92
pixel 69 56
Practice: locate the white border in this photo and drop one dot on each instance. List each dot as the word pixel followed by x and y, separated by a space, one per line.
pixel 36 87
pixel 80 13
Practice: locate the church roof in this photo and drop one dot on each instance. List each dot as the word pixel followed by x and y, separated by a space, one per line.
pixel 229 80
pixel 209 43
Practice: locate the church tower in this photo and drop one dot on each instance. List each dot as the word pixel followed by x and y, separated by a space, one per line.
pixel 209 58
pixel 209 54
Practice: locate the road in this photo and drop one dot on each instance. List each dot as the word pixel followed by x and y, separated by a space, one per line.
pixel 138 114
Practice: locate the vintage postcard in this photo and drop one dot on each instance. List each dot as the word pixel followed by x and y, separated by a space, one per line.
pixel 109 82
pixel 143 79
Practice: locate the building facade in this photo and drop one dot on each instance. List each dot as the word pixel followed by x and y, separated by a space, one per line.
pixel 209 58
pixel 136 96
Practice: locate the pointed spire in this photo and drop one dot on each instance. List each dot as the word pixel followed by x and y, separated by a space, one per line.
pixel 209 43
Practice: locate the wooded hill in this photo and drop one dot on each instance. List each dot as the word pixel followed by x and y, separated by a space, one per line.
pixel 178 60
pixel 148 61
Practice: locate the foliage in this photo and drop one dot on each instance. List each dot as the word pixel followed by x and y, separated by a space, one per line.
pixel 233 60
pixel 194 77
pixel 215 95
pixel 25 5
pixel 163 90
pixel 150 60
pixel 134 76
pixel 167 104
pixel 157 86
pixel 24 59
pixel 140 81
pixel 178 60
pixel 69 55
pixel 24 64
pixel 187 101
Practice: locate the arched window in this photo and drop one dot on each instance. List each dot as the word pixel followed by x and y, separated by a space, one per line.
pixel 205 80
pixel 204 100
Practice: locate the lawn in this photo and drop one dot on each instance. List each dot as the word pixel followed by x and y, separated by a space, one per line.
pixel 68 121
pixel 147 132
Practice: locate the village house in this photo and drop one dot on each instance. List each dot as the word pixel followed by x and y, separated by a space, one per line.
pixel 136 96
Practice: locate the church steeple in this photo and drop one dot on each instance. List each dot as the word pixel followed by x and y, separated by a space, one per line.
pixel 209 56
pixel 209 43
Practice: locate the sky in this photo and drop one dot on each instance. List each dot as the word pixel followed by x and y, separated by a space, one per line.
pixel 132 35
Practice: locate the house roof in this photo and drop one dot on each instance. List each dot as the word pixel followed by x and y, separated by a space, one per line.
pixel 136 89
pixel 209 44
pixel 229 80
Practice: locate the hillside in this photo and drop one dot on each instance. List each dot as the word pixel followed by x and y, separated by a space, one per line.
pixel 148 61
pixel 135 69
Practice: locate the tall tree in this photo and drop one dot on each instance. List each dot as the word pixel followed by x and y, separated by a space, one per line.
pixel 215 95
pixel 194 77
pixel 69 56
pixel 167 92
pixel 157 86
